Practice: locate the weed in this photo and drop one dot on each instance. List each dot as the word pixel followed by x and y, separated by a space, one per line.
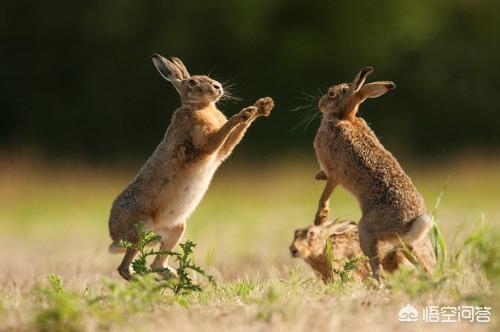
pixel 59 310
pixel 347 265
pixel 481 248
pixel 271 304
pixel 437 238
pixel 183 284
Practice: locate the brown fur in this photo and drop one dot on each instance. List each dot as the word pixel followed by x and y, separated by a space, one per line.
pixel 173 180
pixel 309 243
pixel 351 155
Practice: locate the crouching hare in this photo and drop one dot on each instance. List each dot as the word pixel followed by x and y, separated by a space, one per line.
pixel 310 244
pixel 350 155
pixel 174 179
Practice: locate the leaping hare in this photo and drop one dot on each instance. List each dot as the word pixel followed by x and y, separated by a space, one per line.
pixel 350 155
pixel 174 179
pixel 310 243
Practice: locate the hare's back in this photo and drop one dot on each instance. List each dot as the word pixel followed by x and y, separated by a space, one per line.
pixel 372 173
pixel 346 244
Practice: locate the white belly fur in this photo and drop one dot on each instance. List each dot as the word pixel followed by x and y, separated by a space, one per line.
pixel 187 193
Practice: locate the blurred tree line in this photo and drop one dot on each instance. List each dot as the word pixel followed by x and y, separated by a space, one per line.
pixel 77 79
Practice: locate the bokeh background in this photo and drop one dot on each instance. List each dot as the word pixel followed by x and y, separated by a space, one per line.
pixel 82 107
pixel 77 80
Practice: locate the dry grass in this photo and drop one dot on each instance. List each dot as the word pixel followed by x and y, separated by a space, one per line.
pixel 53 220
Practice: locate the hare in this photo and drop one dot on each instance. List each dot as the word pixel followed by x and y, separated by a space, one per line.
pixel 310 242
pixel 350 155
pixel 172 182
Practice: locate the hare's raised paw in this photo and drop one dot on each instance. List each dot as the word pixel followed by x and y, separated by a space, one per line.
pixel 248 113
pixel 319 221
pixel 264 106
pixel 321 217
pixel 321 176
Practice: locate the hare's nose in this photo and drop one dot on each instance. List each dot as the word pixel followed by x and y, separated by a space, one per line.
pixel 294 251
pixel 216 86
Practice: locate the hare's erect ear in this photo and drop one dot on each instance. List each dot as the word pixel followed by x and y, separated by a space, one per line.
pixel 173 71
pixel 340 228
pixel 178 62
pixel 360 78
pixel 375 89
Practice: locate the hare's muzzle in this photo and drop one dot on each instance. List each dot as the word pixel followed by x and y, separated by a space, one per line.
pixel 294 251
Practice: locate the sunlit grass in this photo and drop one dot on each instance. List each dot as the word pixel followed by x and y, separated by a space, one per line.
pixel 54 220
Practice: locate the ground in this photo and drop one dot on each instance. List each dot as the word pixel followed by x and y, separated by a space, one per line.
pixel 53 220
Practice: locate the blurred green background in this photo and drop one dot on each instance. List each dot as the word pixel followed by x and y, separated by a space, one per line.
pixel 82 107
pixel 77 80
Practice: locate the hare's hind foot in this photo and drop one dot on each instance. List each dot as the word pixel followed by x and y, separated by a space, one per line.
pixel 166 272
pixel 125 273
pixel 124 268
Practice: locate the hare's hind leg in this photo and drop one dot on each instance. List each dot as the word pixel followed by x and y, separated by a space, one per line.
pixel 121 224
pixel 170 238
pixel 369 244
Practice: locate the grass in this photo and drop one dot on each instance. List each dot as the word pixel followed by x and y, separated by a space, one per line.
pixel 57 275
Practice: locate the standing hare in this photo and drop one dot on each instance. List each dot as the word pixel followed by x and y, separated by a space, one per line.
pixel 350 155
pixel 172 182
pixel 310 244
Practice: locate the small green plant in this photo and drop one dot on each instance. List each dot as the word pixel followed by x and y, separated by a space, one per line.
pixel 183 284
pixel 59 309
pixel 271 304
pixel 481 247
pixel 437 238
pixel 347 265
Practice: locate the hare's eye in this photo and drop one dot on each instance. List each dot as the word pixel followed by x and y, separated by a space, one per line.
pixel 332 94
pixel 191 82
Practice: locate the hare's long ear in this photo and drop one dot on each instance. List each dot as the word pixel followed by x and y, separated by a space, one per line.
pixel 360 78
pixel 375 89
pixel 169 70
pixel 182 67
pixel 340 228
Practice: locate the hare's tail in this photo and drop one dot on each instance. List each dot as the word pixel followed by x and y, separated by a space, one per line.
pixel 420 226
pixel 115 248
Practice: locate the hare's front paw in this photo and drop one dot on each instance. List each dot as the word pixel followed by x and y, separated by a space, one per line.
pixel 321 217
pixel 247 113
pixel 264 106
